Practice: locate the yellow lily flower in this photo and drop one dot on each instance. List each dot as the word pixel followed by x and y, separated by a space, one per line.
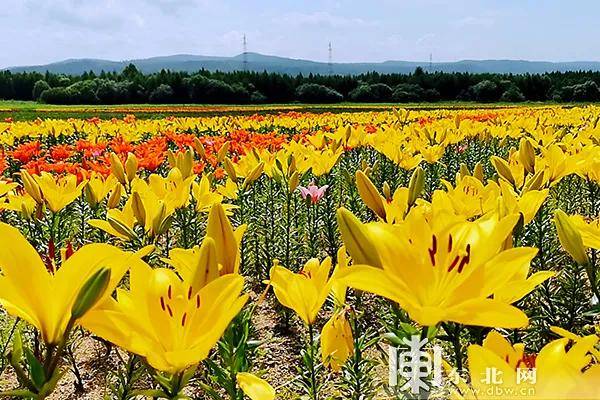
pixel 337 344
pixel 589 230
pixel 570 237
pixel 183 161
pixel 442 270
pixel 174 190
pixel 98 188
pixel 556 164
pixel 218 255
pixel 6 187
pixel 21 203
pixel 29 291
pixel 227 240
pixel 166 320
pixel 470 198
pixel 151 212
pixel 323 161
pixel 304 292
pixel 205 197
pixel 527 204
pixel 498 370
pixel 31 187
pixel 339 288
pixel 59 192
pixel 118 223
pixel 370 195
pixel 229 190
pixel 254 387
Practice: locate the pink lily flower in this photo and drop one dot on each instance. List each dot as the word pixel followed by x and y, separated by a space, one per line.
pixel 313 191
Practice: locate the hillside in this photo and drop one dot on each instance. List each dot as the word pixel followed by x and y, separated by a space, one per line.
pixel 260 62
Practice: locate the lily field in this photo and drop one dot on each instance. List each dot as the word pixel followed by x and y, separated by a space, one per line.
pixel 259 253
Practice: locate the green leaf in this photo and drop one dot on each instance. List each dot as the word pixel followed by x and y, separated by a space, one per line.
pixel 52 382
pixel 17 348
pixel 188 374
pixel 36 370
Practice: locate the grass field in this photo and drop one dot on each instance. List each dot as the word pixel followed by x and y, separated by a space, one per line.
pixel 28 110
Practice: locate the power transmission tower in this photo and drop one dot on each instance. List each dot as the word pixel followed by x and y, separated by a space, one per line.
pixel 430 62
pixel 245 54
pixel 330 60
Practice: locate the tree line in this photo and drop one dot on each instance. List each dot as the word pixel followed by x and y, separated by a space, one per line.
pixel 132 86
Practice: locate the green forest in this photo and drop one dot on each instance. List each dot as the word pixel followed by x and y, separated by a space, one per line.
pixel 245 87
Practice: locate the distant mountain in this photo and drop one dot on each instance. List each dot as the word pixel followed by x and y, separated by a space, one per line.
pixel 260 62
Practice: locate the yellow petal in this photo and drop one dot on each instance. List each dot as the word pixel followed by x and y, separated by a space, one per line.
pixel 487 312
pixel 220 230
pixel 254 387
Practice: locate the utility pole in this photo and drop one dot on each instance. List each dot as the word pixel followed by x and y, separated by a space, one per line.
pixel 430 62
pixel 245 54
pixel 330 60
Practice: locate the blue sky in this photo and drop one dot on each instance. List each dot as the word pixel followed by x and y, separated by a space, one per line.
pixel 41 31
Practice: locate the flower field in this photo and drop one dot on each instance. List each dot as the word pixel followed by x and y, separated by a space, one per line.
pixel 283 255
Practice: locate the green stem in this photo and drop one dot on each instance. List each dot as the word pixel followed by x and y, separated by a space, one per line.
pixel 311 348
pixel 55 359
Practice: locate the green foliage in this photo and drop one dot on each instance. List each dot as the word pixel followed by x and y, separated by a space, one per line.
pixel 315 93
pixel 132 86
pixel 38 88
pixel 485 91
pixel 162 94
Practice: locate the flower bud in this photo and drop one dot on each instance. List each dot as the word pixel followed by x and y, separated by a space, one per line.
pixel 292 164
pixel 139 211
pixel 535 182
pixel 387 191
pixel 478 171
pixel 254 174
pixel 503 169
pixel 91 196
pixel 294 182
pixel 171 159
pixel 230 169
pixel 91 291
pixel 115 197
pixel 199 147
pixel 527 155
pixel 369 194
pixel 31 187
pixel 356 240
pixel 570 238
pixel 131 166
pixel 121 228
pixel 186 163
pixel 162 221
pixel 457 120
pixel 223 152
pixel 348 133
pixel 416 185
pixel 464 170
pixel 117 169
